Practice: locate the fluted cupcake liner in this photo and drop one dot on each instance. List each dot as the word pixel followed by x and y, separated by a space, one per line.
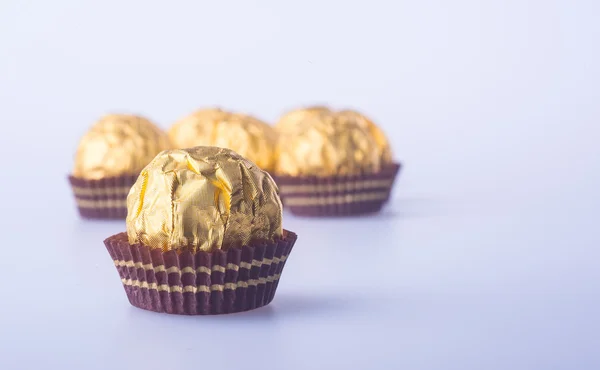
pixel 104 198
pixel 337 195
pixel 200 283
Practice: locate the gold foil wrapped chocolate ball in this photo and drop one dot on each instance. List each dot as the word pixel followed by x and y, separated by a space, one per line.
pixel 288 122
pixel 246 135
pixel 327 144
pixel 118 144
pixel 203 199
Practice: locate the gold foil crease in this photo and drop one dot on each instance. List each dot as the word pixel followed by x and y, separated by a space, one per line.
pixel 118 144
pixel 327 144
pixel 246 135
pixel 203 198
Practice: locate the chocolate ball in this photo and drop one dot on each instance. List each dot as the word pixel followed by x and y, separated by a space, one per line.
pixel 327 144
pixel 118 144
pixel 246 135
pixel 203 198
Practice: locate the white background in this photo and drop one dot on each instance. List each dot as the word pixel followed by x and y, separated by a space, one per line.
pixel 487 258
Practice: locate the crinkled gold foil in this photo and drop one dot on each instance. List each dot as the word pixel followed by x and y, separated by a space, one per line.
pixel 291 119
pixel 203 198
pixel 118 144
pixel 374 130
pixel 197 129
pixel 244 134
pixel 327 144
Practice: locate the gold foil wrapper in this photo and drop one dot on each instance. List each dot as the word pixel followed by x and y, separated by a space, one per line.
pixel 118 144
pixel 203 198
pixel 197 129
pixel 295 117
pixel 382 142
pixel 327 145
pixel 289 121
pixel 246 135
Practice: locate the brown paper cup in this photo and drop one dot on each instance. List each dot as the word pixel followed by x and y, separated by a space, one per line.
pixel 337 195
pixel 200 283
pixel 104 198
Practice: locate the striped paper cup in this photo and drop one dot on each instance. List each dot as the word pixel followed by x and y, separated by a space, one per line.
pixel 104 198
pixel 200 283
pixel 337 195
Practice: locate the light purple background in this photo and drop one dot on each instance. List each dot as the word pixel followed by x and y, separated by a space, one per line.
pixel 487 258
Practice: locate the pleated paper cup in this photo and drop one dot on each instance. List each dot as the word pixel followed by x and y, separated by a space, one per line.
pixel 337 195
pixel 200 283
pixel 104 198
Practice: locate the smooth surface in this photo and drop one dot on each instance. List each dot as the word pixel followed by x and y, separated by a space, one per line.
pixel 488 257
